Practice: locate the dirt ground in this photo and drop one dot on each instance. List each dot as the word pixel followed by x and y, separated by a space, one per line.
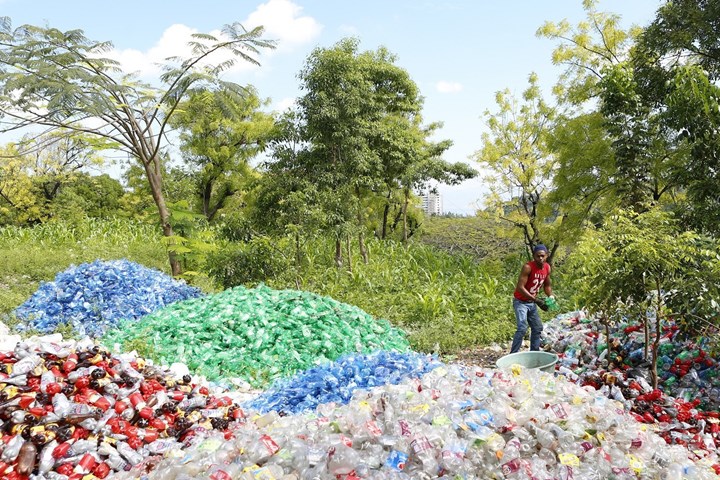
pixel 482 356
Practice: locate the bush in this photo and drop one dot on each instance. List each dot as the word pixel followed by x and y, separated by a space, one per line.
pixel 259 260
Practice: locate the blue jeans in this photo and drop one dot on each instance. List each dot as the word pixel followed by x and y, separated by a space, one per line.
pixel 526 313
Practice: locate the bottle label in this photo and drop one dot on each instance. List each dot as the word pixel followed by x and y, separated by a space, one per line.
pixel 559 410
pixel 511 467
pixel 569 459
pixel 404 428
pixel 346 440
pixel 396 460
pixel 269 444
pixel 373 428
pixel 421 444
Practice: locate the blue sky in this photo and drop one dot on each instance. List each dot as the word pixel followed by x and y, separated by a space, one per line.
pixel 459 52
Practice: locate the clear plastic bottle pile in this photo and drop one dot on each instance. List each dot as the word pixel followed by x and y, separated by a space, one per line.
pixel 454 422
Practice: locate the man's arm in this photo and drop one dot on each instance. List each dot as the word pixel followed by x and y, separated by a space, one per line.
pixel 547 286
pixel 522 281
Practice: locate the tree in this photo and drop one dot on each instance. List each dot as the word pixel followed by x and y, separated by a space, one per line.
pixel 646 262
pixel 57 158
pixel 677 64
pixel 584 181
pixel 516 153
pixel 61 80
pixel 352 99
pixel 19 202
pixel 632 149
pixel 586 49
pixel 88 196
pixel 685 32
pixel 220 131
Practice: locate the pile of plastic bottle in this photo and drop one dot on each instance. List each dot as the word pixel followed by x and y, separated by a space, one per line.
pixel 685 369
pixel 683 411
pixel 72 408
pixel 335 382
pixel 257 334
pixel 94 297
pixel 454 422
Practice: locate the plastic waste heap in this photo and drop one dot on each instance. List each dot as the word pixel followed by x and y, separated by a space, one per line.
pixel 70 408
pixel 684 408
pixel 93 297
pixel 257 334
pixel 452 423
pixel 335 382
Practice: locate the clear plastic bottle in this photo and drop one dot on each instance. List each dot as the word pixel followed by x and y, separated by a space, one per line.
pixel 12 449
pixel 343 460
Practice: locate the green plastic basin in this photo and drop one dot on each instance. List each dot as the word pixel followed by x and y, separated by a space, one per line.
pixel 545 361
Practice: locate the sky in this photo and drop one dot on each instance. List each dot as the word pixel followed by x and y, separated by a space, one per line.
pixel 459 52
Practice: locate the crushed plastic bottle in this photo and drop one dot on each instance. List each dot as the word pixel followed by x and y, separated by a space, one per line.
pixel 93 297
pixel 336 381
pixel 258 334
pixel 421 429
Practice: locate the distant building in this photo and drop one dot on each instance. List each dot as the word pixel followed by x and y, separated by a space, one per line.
pixel 432 203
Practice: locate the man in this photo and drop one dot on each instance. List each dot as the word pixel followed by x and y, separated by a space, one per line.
pixel 534 275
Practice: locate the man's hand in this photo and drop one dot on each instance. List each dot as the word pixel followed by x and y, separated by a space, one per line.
pixel 541 303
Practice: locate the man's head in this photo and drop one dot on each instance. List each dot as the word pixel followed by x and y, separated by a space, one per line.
pixel 540 253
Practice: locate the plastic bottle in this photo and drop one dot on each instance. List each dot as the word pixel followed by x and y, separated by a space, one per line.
pixel 47 460
pixel 343 461
pixel 128 453
pixel 26 458
pixel 12 449
pixel 453 455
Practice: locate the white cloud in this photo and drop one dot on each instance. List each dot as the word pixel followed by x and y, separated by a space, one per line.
pixel 448 87
pixel 283 104
pixel 282 21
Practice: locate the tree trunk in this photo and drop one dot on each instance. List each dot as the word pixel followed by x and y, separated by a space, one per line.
pixel 363 248
pixel 349 252
pixel 155 180
pixel 646 331
pixel 404 215
pixel 338 253
pixel 386 211
pixel 361 230
pixel 656 340
pixel 207 194
pixel 607 335
pixel 298 262
pixel 653 361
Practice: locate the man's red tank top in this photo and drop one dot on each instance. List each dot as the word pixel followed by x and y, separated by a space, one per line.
pixel 535 279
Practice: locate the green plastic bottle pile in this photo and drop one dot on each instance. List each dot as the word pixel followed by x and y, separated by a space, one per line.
pixel 257 334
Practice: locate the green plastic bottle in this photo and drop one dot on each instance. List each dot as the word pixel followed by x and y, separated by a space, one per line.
pixel 551 304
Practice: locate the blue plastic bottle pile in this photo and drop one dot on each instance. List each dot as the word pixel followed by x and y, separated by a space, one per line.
pixel 337 381
pixel 94 297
